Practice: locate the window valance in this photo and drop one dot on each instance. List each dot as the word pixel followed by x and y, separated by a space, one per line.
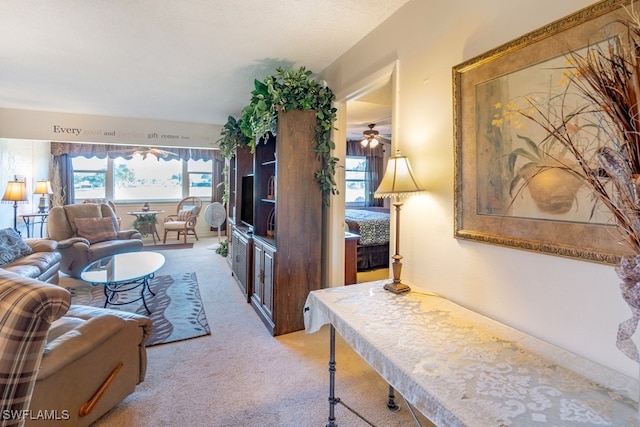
pixel 113 151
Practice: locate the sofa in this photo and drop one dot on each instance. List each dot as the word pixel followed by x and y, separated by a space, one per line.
pixel 87 232
pixel 61 364
pixel 33 258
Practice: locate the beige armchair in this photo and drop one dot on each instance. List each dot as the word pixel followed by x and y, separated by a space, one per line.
pixel 93 359
pixel 73 366
pixel 87 232
pixel 184 222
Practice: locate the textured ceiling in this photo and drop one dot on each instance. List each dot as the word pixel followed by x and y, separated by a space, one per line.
pixel 183 60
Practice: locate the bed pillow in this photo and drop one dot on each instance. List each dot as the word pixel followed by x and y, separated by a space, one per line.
pixel 96 229
pixel 12 246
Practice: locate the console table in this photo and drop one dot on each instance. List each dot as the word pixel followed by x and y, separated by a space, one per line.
pixel 459 368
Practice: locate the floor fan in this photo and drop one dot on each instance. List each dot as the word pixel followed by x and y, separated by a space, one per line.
pixel 215 214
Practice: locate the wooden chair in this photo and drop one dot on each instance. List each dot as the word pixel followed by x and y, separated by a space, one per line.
pixel 184 222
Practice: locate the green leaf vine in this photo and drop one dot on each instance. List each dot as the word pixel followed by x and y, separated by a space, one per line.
pixel 287 90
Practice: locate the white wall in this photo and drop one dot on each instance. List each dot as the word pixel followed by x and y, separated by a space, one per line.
pixel 573 304
pixel 27 159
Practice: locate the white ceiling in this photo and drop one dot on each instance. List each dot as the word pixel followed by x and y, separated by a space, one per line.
pixel 182 60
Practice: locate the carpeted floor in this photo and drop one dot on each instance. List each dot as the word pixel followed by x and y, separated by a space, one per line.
pixel 176 308
pixel 167 246
pixel 242 376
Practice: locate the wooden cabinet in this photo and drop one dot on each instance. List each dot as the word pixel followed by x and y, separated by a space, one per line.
pixel 350 258
pixel 287 222
pixel 242 260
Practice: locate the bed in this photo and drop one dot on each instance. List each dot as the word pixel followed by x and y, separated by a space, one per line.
pixel 372 224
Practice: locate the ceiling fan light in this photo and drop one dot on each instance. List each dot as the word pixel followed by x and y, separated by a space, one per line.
pixel 364 142
pixel 373 143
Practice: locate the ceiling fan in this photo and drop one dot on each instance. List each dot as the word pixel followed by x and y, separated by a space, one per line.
pixel 371 137
pixel 144 152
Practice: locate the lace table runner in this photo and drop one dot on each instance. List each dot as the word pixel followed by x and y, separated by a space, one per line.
pixel 460 368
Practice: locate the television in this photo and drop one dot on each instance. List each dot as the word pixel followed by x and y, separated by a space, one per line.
pixel 246 201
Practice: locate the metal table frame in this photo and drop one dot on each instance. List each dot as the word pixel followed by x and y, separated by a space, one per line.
pixel 30 220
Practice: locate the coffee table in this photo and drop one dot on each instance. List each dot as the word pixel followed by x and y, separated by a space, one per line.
pixel 122 273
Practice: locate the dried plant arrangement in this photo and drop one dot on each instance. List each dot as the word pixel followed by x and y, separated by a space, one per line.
pixel 592 132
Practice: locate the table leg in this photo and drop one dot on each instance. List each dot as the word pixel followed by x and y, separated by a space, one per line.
pixel 332 377
pixel 154 233
pixel 391 403
pixel 27 221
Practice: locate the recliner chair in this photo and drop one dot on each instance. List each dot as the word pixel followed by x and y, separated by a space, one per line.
pixel 87 232
pixel 66 369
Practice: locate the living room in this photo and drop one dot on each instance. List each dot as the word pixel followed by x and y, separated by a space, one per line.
pixel 571 303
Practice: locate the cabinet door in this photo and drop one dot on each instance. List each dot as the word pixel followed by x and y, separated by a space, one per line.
pixel 241 263
pixel 267 296
pixel 258 273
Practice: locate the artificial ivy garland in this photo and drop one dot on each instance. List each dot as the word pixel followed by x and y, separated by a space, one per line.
pixel 287 90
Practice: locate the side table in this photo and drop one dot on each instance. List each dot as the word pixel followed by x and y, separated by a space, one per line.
pixel 147 223
pixel 30 220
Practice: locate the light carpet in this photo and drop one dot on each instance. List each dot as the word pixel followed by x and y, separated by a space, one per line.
pixel 176 308
pixel 167 246
pixel 241 376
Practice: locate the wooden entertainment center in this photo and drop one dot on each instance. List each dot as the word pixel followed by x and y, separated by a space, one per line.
pixel 275 214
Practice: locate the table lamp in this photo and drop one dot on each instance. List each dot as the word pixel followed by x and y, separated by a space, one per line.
pixel 16 192
pixel 42 187
pixel 398 181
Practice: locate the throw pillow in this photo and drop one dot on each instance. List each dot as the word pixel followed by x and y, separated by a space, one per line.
pixel 12 246
pixel 96 229
pixel 184 214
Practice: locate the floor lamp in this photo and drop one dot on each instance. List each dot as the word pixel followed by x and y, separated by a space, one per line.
pixel 16 192
pixel 398 182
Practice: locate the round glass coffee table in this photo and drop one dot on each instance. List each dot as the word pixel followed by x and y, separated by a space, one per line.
pixel 122 273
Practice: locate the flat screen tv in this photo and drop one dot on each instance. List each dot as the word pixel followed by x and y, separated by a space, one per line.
pixel 246 201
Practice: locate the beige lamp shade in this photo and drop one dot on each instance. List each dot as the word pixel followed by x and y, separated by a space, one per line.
pixel 399 179
pixel 16 191
pixel 43 187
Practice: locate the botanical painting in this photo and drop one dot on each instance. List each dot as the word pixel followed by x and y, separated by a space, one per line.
pixel 510 156
pixel 508 188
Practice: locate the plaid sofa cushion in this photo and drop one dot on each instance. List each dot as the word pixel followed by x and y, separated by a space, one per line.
pixel 28 308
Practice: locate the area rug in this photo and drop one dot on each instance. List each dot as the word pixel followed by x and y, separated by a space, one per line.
pixel 166 247
pixel 176 309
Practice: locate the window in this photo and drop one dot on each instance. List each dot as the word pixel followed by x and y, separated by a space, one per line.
pixel 200 177
pixel 146 179
pixel 355 180
pixel 89 177
pixel 138 179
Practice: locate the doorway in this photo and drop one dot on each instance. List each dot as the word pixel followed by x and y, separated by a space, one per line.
pixel 369 140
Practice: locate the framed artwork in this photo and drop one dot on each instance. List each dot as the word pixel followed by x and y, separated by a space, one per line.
pixel 496 199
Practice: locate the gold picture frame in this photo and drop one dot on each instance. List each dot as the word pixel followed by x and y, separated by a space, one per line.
pixel 487 208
